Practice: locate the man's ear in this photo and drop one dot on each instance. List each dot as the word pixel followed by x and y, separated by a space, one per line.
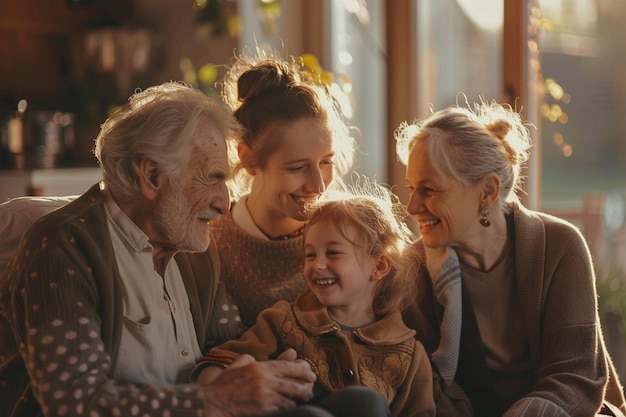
pixel 381 268
pixel 245 156
pixel 150 181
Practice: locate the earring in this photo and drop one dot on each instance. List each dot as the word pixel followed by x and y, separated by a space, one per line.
pixel 484 221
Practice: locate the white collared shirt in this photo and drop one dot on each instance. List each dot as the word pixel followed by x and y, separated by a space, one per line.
pixel 159 344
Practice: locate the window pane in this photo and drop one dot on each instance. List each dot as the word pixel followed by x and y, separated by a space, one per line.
pixel 357 51
pixel 354 49
pixel 459 51
pixel 582 59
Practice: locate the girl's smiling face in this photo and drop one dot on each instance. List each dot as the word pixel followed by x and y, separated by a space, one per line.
pixel 445 210
pixel 337 271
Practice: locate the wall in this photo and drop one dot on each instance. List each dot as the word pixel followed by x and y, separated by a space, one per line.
pixel 52 182
pixel 43 56
pixel 35 38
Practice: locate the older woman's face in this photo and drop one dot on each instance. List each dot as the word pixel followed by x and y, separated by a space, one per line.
pixel 445 210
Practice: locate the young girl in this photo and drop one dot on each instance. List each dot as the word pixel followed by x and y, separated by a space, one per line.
pixel 294 148
pixel 348 324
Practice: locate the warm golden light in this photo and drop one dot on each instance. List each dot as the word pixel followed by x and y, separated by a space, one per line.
pixel 567 151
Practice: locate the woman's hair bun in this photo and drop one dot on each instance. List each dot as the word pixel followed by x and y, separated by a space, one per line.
pixel 500 129
pixel 265 76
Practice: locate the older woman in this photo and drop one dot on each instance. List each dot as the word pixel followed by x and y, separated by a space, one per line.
pixel 506 302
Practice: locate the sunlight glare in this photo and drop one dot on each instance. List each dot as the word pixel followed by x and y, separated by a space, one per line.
pixel 487 14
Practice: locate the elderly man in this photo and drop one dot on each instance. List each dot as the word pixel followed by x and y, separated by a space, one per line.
pixel 105 306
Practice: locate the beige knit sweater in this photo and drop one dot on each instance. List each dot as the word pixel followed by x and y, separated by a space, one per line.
pixel 257 272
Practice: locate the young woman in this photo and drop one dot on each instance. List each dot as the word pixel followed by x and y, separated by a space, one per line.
pixel 294 148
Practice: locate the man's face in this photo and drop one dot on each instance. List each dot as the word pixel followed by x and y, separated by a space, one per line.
pixel 188 204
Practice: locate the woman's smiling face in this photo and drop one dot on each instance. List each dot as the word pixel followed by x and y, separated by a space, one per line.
pixel 298 171
pixel 445 210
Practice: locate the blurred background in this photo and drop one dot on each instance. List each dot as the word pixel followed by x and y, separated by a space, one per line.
pixel 64 64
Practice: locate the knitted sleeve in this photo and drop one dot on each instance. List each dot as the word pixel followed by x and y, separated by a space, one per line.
pixel 263 340
pixel 571 366
pixel 225 323
pixel 536 407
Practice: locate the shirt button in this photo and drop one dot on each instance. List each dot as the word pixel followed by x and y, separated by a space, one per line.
pixel 185 352
pixel 348 374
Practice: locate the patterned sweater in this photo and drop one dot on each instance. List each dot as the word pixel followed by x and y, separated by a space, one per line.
pixel 61 313
pixel 257 272
pixel 383 356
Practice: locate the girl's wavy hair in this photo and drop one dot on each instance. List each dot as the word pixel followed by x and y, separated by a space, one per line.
pixel 469 142
pixel 266 92
pixel 372 218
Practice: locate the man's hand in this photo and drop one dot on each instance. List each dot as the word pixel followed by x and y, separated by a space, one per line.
pixel 251 388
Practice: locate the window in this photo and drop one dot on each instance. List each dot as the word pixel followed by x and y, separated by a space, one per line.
pixel 357 51
pixel 582 47
pixel 459 52
pixel 352 47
